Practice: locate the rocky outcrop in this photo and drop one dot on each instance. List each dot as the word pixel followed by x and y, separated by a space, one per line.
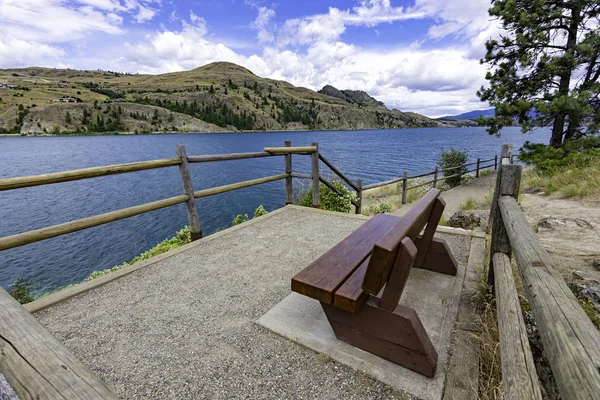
pixel 352 96
pixel 469 219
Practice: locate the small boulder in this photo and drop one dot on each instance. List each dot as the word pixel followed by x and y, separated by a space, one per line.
pixel 468 219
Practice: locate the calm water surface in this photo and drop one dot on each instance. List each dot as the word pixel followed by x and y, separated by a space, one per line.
pixel 370 155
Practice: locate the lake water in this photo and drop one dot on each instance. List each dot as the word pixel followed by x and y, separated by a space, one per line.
pixel 373 156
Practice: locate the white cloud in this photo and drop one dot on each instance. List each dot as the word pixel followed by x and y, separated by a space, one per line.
pixel 308 51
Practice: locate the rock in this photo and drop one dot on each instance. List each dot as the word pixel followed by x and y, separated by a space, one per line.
pixel 468 219
pixel 596 264
pixel 586 286
pixel 553 223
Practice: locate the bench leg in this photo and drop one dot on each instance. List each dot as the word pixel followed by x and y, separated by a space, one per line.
pixel 397 336
pixel 438 258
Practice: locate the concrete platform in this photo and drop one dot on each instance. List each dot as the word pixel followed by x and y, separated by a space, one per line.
pixel 183 324
pixel 434 296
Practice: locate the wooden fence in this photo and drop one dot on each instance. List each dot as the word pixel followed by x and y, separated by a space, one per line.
pixel 436 178
pixel 570 340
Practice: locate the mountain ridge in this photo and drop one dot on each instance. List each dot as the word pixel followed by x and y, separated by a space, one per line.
pixel 216 97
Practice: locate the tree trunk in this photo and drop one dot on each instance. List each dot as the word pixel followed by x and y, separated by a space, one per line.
pixel 565 79
pixel 557 130
pixel 573 128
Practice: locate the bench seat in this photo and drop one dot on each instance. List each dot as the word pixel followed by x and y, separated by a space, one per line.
pixel 349 278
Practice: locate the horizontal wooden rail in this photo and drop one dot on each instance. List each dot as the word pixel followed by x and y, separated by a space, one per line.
pixel 36 365
pixel 571 342
pixel 421 175
pixel 334 189
pixel 338 172
pixel 379 184
pixel 84 223
pixel 228 188
pixel 519 377
pixel 66 176
pixel 228 157
pixel 421 184
pixel 291 150
pixel 301 176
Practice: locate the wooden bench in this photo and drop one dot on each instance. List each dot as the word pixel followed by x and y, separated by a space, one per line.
pixel 348 278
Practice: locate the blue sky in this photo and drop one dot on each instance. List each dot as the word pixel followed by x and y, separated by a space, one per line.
pixel 419 55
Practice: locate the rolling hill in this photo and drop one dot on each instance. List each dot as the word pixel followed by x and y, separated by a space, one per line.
pixel 473 114
pixel 213 98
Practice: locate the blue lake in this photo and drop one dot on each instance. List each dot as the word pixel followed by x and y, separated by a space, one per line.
pixel 372 156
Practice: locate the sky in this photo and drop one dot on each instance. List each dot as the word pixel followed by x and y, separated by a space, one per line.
pixel 419 55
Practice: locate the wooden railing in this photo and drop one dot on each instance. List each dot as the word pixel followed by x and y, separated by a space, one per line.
pixel 436 178
pixel 570 340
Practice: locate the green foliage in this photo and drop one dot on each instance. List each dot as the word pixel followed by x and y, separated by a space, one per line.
pixel 329 199
pixel 182 237
pixel 22 290
pixel 544 71
pixel 381 209
pixel 239 219
pixel 577 153
pixel 94 87
pixel 217 113
pixel 453 161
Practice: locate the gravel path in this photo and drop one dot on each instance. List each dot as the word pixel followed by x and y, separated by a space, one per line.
pixel 185 327
pixel 477 189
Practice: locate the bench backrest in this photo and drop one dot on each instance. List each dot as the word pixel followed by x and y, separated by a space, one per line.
pixel 386 248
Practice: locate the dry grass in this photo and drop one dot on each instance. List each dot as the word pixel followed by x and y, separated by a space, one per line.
pixel 568 181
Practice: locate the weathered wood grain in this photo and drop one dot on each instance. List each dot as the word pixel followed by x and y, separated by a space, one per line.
pixel 229 157
pixel 239 185
pixel 519 377
pixel 326 274
pixel 188 189
pixel 508 182
pixel 21 239
pixel 338 172
pixel 314 163
pixel 571 342
pixel 67 176
pixel 36 364
pixel 288 150
pixel 288 181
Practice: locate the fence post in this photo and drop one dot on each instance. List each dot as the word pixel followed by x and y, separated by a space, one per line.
pixel 496 162
pixel 508 182
pixel 288 170
pixel 186 179
pixel 404 187
pixel 506 154
pixel 359 196
pixel 435 177
pixel 316 202
pixel 477 172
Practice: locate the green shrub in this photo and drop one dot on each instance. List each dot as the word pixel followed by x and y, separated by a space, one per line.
pixel 239 219
pixel 22 290
pixel 577 153
pixel 182 237
pixel 453 160
pixel 381 209
pixel 329 199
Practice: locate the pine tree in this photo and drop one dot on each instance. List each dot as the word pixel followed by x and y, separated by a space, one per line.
pixel 545 69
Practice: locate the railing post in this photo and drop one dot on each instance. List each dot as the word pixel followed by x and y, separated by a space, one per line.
pixel 477 171
pixel 188 189
pixel 404 187
pixel 506 154
pixel 316 201
pixel 496 162
pixel 359 196
pixel 508 182
pixel 435 177
pixel 288 170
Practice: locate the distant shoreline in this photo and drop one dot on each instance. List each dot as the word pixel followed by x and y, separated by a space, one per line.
pixel 251 131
